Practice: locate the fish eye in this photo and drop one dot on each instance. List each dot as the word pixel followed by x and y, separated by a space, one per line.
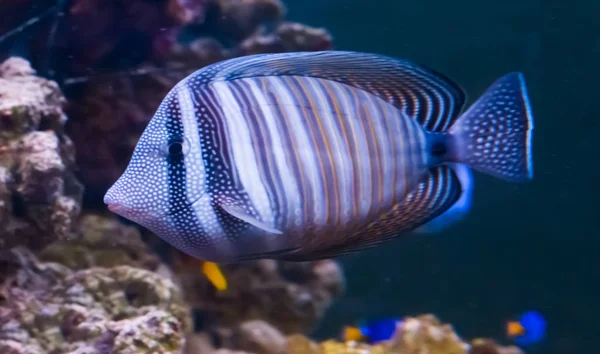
pixel 176 146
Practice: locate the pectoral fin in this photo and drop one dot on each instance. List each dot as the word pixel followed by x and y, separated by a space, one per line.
pixel 239 212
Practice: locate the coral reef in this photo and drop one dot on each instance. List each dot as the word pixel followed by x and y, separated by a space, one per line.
pixel 99 34
pixel 88 283
pixel 103 242
pixel 287 37
pixel 47 307
pixel 108 260
pixel 291 296
pixel 417 335
pixel 39 195
pixel 489 346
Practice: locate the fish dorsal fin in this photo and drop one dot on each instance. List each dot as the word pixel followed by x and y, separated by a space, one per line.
pixel 432 99
pixel 240 213
pixel 435 194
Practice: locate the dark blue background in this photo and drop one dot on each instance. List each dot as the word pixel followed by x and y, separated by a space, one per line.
pixel 527 246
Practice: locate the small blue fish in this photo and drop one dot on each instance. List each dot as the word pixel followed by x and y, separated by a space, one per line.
pixel 373 331
pixel 530 329
pixel 304 156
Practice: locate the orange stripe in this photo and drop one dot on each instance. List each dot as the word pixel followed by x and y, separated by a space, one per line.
pixel 377 158
pixel 296 164
pixel 316 111
pixel 340 117
pixel 301 110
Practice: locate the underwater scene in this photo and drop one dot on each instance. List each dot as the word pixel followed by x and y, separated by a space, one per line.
pixel 299 177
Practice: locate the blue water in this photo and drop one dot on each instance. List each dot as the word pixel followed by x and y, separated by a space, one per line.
pixel 523 246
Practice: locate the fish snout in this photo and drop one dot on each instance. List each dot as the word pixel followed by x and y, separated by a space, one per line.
pixel 114 202
pixel 116 207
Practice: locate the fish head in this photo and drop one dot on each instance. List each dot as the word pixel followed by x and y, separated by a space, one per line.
pixel 166 172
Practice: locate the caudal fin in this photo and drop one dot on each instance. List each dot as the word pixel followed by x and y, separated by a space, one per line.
pixel 494 135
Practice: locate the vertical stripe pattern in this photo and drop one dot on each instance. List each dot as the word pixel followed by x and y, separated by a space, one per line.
pixel 317 157
pixel 292 156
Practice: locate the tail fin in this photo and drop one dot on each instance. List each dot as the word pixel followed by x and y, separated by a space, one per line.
pixel 494 135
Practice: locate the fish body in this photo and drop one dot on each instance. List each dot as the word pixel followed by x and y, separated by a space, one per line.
pixel 529 329
pixel 373 331
pixel 302 156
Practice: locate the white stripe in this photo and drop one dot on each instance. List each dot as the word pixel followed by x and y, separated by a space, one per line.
pixel 308 154
pixel 211 226
pixel 243 152
pixel 288 180
pixel 194 166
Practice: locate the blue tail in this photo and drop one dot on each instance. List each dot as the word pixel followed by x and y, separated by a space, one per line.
pixel 494 135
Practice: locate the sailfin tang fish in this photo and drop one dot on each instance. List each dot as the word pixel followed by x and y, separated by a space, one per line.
pixel 301 156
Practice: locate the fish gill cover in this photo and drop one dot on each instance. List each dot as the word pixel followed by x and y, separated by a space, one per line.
pixel 75 279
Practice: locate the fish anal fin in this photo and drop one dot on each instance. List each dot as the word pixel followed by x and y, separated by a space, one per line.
pixel 432 99
pixel 281 254
pixel 435 194
pixel 459 209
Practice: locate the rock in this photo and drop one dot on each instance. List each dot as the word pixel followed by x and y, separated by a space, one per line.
pixel 39 196
pixel 121 309
pixel 293 297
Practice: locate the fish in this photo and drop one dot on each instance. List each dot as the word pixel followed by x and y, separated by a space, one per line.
pixel 213 273
pixel 312 155
pixel 529 329
pixel 373 331
pixel 210 270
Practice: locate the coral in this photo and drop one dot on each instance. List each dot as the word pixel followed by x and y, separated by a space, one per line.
pixel 90 284
pixel 238 19
pixel 252 337
pixel 259 337
pixel 417 335
pixel 39 195
pixel 103 241
pixel 489 346
pixel 287 37
pixel 426 334
pixel 98 34
pixel 117 110
pixel 291 296
pixel 121 309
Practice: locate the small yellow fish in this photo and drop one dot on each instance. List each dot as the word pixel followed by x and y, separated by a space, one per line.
pixel 214 274
pixel 211 270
